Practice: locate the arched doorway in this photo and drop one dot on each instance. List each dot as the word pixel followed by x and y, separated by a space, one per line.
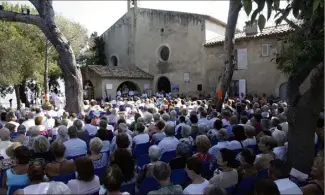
pixel 283 91
pixel 127 86
pixel 163 84
pixel 88 90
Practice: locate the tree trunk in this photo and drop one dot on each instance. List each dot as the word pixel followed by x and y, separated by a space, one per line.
pixel 22 93
pixel 67 62
pixel 46 73
pixel 303 112
pixel 17 91
pixel 229 63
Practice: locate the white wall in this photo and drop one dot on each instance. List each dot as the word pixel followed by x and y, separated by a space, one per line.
pixel 4 101
pixel 213 30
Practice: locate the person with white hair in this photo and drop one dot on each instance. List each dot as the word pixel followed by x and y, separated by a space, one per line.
pixel 5 140
pixel 56 187
pixel 30 122
pixel 222 137
pixel 82 133
pixel 22 138
pixel 34 132
pixel 62 135
pixel 186 138
pixel 41 149
pixel 170 142
pixel 146 170
pixel 280 150
pixel 99 159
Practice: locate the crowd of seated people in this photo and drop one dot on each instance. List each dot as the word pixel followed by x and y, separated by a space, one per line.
pixel 155 146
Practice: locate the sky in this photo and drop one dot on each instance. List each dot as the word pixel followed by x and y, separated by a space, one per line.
pixel 100 15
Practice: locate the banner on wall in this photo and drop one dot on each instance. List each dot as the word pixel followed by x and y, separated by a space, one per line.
pixel 175 88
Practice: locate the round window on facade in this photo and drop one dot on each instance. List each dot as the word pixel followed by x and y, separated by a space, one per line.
pixel 164 53
pixel 113 61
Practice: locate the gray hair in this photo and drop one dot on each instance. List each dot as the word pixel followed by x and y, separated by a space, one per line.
pixel 165 117
pixel 173 114
pixel 186 130
pixel 222 134
pixel 282 117
pixel 161 171
pixel 78 123
pixel 96 145
pixel 249 130
pixel 280 137
pixel 41 144
pixel 169 130
pixel 62 133
pixel 30 115
pixel 182 149
pixel 203 129
pixel 140 120
pixel 56 187
pixel 154 153
pixel 147 118
pixel 156 117
pixel 4 134
pixel 34 131
pixel 122 128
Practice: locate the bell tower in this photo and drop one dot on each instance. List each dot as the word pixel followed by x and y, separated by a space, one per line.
pixel 131 3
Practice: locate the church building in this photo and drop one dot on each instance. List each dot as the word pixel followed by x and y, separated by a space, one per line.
pixel 150 51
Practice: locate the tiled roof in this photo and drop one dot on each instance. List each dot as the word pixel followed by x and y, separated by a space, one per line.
pixel 120 72
pixel 267 32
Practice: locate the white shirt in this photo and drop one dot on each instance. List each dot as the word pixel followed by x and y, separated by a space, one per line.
pixel 286 187
pixel 14 123
pixel 249 142
pixel 196 188
pixel 168 144
pixel 81 187
pixel 141 139
pixel 280 152
pixel 29 123
pixel 37 188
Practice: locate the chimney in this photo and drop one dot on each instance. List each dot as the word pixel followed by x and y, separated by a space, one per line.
pixel 251 29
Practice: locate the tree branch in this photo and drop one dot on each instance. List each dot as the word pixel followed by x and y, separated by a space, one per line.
pixel 291 23
pixel 17 17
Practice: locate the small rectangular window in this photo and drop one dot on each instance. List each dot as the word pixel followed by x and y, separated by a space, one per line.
pixel 265 50
pixel 199 87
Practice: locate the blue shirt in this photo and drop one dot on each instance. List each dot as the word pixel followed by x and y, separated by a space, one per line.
pixel 16 180
pixel 229 130
pixel 215 150
pixel 92 130
pixel 75 147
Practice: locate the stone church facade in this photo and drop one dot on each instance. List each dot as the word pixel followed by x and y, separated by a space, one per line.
pixel 155 50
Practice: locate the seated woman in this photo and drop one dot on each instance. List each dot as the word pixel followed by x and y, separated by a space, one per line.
pixel 159 135
pixel 61 165
pixel 123 158
pixel 22 138
pixel 87 182
pixel 250 133
pixel 41 149
pixel 315 186
pixel 141 137
pixel 113 180
pixel 99 159
pixel 36 178
pixel 105 135
pixel 62 134
pixel 34 132
pixel 226 176
pixel 203 145
pixel 194 171
pixel 10 162
pixel 266 146
pixel 58 188
pixel 182 154
pixel 122 142
pixel 239 137
pixel 186 138
pixel 246 168
pixel 18 174
pixel 146 170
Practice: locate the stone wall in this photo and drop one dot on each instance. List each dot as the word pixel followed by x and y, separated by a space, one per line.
pixel 261 75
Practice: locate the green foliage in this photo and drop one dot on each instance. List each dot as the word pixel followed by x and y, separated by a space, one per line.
pixel 95 55
pixel 22 49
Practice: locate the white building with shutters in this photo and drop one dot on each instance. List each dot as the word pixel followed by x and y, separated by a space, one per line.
pixel 256 71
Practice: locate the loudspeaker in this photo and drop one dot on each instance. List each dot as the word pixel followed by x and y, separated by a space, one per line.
pixel 199 87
